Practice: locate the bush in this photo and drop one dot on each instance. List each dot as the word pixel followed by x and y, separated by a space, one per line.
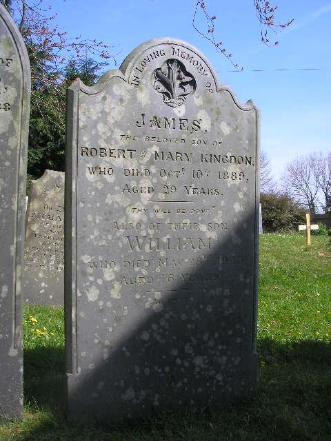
pixel 280 213
pixel 323 230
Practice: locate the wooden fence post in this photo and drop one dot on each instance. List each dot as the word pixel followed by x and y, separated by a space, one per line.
pixel 308 240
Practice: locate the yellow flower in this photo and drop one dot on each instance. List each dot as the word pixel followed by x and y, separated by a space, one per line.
pixel 41 333
pixel 33 320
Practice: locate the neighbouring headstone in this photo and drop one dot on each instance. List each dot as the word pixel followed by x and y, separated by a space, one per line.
pixel 43 259
pixel 161 229
pixel 14 122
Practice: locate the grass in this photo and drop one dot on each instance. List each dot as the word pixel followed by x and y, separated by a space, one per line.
pixel 293 397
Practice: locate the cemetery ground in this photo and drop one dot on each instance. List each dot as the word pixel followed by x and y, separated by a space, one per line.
pixel 293 397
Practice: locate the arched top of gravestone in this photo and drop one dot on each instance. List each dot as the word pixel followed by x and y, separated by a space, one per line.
pixel 175 70
pixel 50 181
pixel 11 37
pixel 50 174
pixel 140 58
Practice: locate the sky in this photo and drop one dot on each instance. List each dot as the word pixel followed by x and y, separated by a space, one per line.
pixel 289 83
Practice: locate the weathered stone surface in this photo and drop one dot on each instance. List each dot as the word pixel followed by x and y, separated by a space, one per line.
pixel 43 259
pixel 14 113
pixel 161 238
pixel 260 220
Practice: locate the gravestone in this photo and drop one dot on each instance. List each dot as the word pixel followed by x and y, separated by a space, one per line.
pixel 160 239
pixel 14 115
pixel 43 259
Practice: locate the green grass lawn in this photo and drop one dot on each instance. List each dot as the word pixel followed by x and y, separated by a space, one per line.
pixel 293 397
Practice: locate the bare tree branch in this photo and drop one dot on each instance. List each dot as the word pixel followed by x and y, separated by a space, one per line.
pixel 209 34
pixel 301 182
pixel 322 171
pixel 266 15
pixel 267 183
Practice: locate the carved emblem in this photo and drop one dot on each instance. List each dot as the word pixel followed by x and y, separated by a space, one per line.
pixel 174 82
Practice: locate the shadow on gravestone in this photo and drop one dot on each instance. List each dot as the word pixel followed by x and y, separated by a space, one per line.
pixel 198 352
pixel 14 123
pixel 161 234
pixel 43 258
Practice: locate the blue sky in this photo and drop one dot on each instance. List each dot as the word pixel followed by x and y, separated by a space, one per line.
pixel 294 103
